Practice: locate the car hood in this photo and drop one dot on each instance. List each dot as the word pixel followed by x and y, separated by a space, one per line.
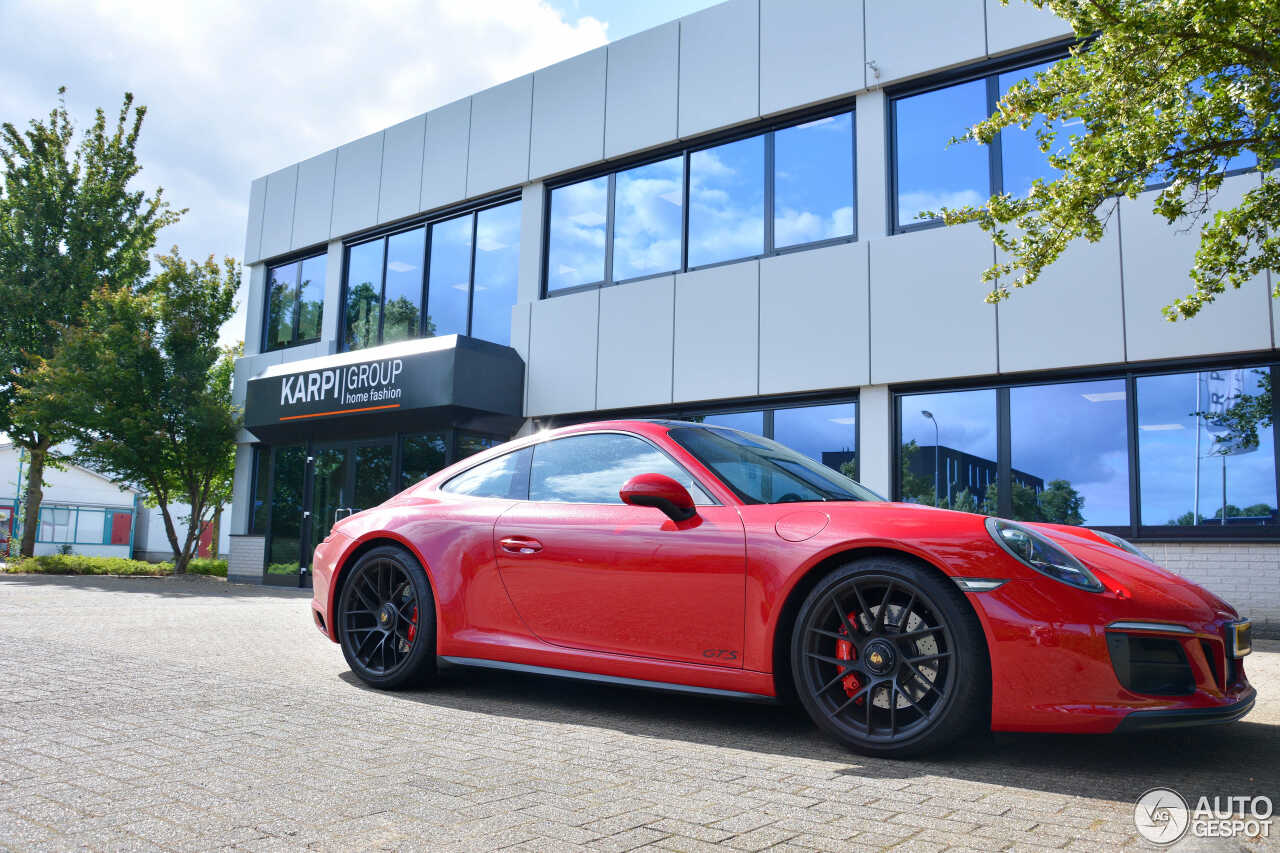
pixel 960 540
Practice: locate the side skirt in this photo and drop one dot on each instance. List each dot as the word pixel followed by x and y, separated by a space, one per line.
pixel 664 686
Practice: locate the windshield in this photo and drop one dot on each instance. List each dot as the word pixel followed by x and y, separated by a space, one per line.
pixel 763 471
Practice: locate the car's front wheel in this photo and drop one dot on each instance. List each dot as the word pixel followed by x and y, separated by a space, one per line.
pixel 888 658
pixel 386 620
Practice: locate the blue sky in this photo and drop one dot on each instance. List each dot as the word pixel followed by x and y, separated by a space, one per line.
pixel 236 89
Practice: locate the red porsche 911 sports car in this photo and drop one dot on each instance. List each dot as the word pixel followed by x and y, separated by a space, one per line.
pixel 696 558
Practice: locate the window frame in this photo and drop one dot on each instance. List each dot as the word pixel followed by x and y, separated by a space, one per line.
pixel 1135 529
pixel 294 340
pixel 427 222
pixel 107 510
pixel 685 150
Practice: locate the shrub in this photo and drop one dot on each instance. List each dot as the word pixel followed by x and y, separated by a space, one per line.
pixel 79 564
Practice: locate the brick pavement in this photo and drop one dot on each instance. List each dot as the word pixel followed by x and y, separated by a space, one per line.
pixel 192 714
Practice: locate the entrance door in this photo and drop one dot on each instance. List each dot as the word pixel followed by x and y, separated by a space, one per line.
pixel 346 478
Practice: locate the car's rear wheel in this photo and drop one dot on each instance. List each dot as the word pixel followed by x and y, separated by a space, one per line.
pixel 386 620
pixel 888 658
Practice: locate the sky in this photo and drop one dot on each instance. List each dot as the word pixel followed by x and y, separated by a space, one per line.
pixel 237 89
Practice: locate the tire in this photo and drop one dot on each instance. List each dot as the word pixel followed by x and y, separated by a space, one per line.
pixel 916 677
pixel 387 620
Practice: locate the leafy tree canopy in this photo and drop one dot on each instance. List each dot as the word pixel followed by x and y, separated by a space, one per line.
pixel 147 390
pixel 1168 92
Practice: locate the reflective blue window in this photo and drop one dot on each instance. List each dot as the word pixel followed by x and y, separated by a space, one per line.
pixel 1070 453
pixel 575 250
pixel 1021 160
pixel 402 297
pixel 826 434
pixel 1205 448
pixel 295 302
pixel 311 298
pixel 282 295
pixel 948 452
pixel 496 270
pixel 726 202
pixel 363 310
pixel 648 216
pixel 449 285
pixel 929 173
pixel 813 181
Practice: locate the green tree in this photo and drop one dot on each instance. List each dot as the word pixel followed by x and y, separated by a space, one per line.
pixel 167 422
pixel 69 224
pixel 1167 92
pixel 1248 414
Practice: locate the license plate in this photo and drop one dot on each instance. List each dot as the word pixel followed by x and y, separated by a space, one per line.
pixel 1241 638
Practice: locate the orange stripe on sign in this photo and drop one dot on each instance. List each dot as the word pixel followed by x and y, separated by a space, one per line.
pixel 340 412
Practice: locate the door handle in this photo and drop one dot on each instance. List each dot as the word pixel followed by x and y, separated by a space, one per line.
pixel 520 545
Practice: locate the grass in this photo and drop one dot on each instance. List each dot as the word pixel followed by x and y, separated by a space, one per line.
pixel 78 564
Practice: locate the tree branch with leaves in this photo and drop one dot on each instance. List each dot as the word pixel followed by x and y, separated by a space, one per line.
pixel 1169 92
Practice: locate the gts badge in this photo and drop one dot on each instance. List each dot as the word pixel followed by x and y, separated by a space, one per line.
pixel 720 654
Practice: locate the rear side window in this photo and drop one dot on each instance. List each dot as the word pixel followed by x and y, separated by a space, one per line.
pixel 505 477
pixel 592 469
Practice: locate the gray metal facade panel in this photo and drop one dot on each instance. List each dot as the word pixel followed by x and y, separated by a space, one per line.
pixel 637 325
pixel 356 186
pixel 810 50
pixel 907 38
pixel 717 333
pixel 401 183
pixel 498 155
pixel 568 114
pixel 313 206
pixel 719 66
pixel 444 160
pixel 277 212
pixel 642 91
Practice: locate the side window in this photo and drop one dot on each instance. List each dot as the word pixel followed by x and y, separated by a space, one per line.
pixel 504 477
pixel 594 468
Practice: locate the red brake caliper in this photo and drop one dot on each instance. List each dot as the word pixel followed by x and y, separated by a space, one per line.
pixel 844 651
pixel 413 624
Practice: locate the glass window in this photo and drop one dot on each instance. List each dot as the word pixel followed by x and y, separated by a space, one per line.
pixel 421 456
pixel 1070 453
pixel 91 526
pixel 504 477
pixel 648 218
pixel 813 181
pixel 261 488
pixel 497 269
pixel 826 434
pixel 948 453
pixel 575 251
pixel 470 443
pixel 449 288
pixel 402 298
pixel 1205 448
pixel 284 552
pixel 364 294
pixel 594 468
pixel 295 302
pixel 55 524
pixel 311 298
pixel 930 174
pixel 726 202
pixel 762 471
pixel 1021 159
pixel 282 293
pixel 752 422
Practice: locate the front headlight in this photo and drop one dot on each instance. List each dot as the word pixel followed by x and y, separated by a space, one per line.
pixel 1038 552
pixel 1124 545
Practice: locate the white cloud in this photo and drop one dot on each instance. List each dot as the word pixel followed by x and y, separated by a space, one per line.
pixel 912 204
pixel 237 89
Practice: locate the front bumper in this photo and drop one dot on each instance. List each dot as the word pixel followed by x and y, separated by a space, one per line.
pixel 1140 721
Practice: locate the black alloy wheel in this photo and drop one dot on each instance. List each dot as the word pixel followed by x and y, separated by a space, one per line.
pixel 889 659
pixel 387 619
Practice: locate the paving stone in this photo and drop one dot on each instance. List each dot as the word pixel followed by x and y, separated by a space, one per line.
pixel 174 714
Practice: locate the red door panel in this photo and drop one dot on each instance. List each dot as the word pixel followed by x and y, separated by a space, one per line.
pixel 627 579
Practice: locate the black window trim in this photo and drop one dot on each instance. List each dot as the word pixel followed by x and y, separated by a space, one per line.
pixel 1129 374
pixel 294 258
pixel 764 128
pixel 471 208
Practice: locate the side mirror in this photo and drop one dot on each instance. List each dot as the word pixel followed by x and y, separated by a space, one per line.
pixel 661 492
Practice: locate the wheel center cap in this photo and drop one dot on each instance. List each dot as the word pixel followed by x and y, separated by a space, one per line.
pixel 880 656
pixel 386 616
